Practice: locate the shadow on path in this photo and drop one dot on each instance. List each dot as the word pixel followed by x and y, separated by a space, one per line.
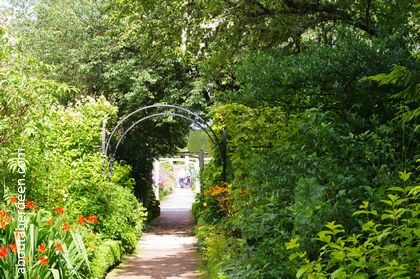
pixel 167 251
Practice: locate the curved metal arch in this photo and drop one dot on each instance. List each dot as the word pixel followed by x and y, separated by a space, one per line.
pixel 153 115
pixel 108 143
pixel 204 125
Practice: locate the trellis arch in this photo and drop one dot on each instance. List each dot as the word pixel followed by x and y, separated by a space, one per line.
pixel 180 112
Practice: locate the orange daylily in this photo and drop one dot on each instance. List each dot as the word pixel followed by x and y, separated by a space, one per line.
pixel 81 220
pixel 42 248
pixel 13 200
pixel 59 210
pixel 43 260
pixel 4 219
pixel 3 252
pixel 66 227
pixel 13 247
pixel 93 219
pixel 58 246
pixel 50 221
pixel 31 205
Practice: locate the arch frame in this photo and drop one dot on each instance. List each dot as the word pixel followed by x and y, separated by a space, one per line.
pixel 182 113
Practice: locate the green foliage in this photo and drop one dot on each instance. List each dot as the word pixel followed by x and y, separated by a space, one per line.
pixel 221 34
pixel 25 96
pixel 123 217
pixel 65 152
pixel 288 176
pixel 385 245
pixel 63 169
pixel 308 208
pixel 309 140
pixel 108 254
pixel 105 49
pixel 73 33
pixel 195 210
pixel 213 244
pixel 199 140
pixel 407 80
pixel 318 76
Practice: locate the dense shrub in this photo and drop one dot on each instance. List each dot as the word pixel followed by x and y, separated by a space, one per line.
pixel 107 254
pixel 120 213
pixel 385 246
pixel 289 175
pixel 62 168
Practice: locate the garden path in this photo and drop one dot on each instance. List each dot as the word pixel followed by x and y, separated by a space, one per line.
pixel 167 251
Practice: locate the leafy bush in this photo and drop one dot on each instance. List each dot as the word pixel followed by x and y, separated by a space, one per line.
pixel 214 204
pixel 386 246
pixel 64 169
pixel 212 244
pixel 288 176
pixel 121 215
pixel 107 255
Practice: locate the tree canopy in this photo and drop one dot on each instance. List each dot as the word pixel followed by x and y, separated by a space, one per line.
pixel 319 98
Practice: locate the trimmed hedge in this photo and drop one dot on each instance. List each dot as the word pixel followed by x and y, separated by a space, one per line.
pixel 107 255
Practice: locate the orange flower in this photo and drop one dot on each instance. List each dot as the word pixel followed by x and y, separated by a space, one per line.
pixel 50 221
pixel 3 225
pixel 31 205
pixel 12 247
pixel 222 194
pixel 4 219
pixel 59 210
pixel 13 200
pixel 93 219
pixel 244 193
pixel 19 234
pixel 81 220
pixel 42 248
pixel 3 252
pixel 43 260
pixel 66 227
pixel 217 191
pixel 58 246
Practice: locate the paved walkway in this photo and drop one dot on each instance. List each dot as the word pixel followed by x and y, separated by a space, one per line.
pixel 167 251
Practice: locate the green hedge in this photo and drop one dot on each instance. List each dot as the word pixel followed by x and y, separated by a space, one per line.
pixel 106 256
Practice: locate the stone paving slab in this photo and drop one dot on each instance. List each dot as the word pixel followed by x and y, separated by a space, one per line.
pixel 167 251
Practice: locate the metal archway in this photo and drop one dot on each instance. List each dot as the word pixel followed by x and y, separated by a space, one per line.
pixel 184 110
pixel 188 114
